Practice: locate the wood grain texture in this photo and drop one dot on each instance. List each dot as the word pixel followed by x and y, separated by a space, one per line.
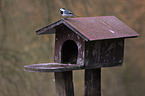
pixel 64 83
pixel 92 82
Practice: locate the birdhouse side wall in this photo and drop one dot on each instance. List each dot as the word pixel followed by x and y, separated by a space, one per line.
pixel 64 34
pixel 104 53
pixel 92 53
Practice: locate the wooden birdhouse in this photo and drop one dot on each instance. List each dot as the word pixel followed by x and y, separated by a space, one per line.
pixel 84 43
pixel 91 42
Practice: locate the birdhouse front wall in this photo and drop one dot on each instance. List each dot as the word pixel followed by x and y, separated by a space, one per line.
pixel 104 53
pixel 69 46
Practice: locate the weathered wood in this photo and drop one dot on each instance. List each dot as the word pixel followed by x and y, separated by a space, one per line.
pixel 64 83
pixel 92 82
pixel 104 53
pixel 63 35
pixel 51 67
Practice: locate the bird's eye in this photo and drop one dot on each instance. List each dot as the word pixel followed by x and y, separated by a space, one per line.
pixel 61 12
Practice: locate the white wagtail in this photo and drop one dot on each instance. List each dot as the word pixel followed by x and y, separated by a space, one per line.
pixel 66 13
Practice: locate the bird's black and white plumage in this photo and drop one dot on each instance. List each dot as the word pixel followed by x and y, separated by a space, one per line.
pixel 66 13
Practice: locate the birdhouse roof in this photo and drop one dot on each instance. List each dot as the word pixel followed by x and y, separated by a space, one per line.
pixel 93 28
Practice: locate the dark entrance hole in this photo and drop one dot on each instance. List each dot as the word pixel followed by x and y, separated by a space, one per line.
pixel 69 52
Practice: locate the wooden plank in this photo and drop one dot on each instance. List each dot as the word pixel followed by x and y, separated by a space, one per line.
pixel 92 82
pixel 64 83
pixel 104 53
pixel 52 67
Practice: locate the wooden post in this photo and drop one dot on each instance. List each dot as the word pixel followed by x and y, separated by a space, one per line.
pixel 64 83
pixel 92 82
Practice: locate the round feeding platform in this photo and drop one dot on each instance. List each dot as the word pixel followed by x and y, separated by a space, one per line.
pixel 51 67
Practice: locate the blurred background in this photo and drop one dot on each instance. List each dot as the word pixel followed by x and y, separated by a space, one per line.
pixel 19 46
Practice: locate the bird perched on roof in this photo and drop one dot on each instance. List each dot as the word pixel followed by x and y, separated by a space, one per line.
pixel 66 13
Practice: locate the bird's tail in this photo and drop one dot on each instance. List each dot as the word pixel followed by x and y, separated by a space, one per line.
pixel 76 15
